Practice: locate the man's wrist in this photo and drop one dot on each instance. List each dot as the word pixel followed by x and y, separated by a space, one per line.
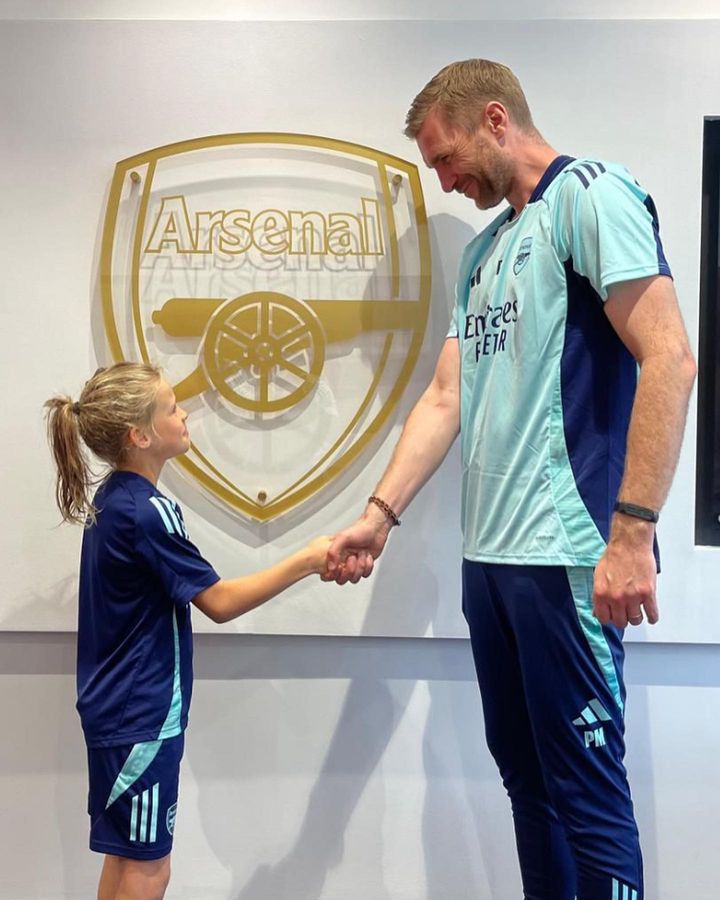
pixel 386 509
pixel 635 511
pixel 378 517
pixel 629 529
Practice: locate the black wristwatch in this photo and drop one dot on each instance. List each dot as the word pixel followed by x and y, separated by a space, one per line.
pixel 639 512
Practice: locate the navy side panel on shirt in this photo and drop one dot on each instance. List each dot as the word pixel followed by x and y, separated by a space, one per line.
pixel 138 574
pixel 598 377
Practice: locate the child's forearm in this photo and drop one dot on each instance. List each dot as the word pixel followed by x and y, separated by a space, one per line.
pixel 229 598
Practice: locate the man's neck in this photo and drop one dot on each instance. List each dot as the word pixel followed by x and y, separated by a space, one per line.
pixel 532 157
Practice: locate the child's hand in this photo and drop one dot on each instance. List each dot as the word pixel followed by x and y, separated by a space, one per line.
pixel 317 552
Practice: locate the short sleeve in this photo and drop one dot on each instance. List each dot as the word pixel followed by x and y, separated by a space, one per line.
pixel 163 543
pixel 607 225
pixel 453 327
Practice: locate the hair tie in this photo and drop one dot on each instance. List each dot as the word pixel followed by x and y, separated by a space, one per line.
pixel 76 408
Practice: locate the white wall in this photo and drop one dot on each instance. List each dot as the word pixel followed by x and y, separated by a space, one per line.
pixel 344 769
pixel 322 768
pixel 77 96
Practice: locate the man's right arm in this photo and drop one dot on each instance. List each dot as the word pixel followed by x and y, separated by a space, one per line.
pixel 429 432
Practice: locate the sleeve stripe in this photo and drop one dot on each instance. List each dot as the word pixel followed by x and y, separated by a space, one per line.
pixel 171 512
pixel 592 168
pixel 580 175
pixel 166 521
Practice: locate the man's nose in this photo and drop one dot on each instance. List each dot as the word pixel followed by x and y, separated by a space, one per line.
pixel 447 178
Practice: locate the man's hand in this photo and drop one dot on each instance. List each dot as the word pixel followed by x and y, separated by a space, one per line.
pixel 626 576
pixel 353 551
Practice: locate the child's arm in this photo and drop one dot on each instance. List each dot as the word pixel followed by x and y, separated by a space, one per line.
pixel 227 599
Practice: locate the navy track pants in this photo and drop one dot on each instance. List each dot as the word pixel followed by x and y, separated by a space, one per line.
pixel 553 696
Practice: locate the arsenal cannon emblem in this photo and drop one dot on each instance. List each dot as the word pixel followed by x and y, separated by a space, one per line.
pixel 283 283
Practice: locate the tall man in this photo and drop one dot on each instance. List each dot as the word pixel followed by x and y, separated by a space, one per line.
pixel 567 459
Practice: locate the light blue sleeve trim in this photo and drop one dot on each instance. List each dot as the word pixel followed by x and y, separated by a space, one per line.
pixel 171 512
pixel 157 503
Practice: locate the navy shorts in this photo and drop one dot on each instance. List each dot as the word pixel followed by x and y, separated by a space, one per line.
pixel 132 799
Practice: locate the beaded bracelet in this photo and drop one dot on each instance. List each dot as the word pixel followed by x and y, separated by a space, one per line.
pixel 389 512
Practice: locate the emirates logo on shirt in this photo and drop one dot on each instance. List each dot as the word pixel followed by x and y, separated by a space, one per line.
pixel 489 328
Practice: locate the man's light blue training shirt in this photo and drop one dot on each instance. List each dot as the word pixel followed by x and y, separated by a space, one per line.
pixel 547 386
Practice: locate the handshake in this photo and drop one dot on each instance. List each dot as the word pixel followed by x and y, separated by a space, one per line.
pixel 350 554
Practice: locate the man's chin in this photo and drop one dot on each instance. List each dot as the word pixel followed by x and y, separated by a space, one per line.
pixel 487 204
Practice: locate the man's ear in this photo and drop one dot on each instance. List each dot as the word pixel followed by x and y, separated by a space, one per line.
pixel 496 118
pixel 138 437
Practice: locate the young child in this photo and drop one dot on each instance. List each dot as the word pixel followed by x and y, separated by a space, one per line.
pixel 139 573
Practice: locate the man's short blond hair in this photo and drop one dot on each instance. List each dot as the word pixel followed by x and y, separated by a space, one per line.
pixel 463 89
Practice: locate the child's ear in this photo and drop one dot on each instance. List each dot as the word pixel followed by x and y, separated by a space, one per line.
pixel 138 437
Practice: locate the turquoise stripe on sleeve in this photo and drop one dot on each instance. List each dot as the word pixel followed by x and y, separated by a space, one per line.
pixel 171 513
pixel 580 580
pixel 163 514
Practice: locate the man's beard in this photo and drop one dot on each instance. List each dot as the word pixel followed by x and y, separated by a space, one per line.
pixel 493 180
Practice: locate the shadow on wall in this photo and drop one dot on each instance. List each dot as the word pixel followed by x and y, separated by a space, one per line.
pixel 369 717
